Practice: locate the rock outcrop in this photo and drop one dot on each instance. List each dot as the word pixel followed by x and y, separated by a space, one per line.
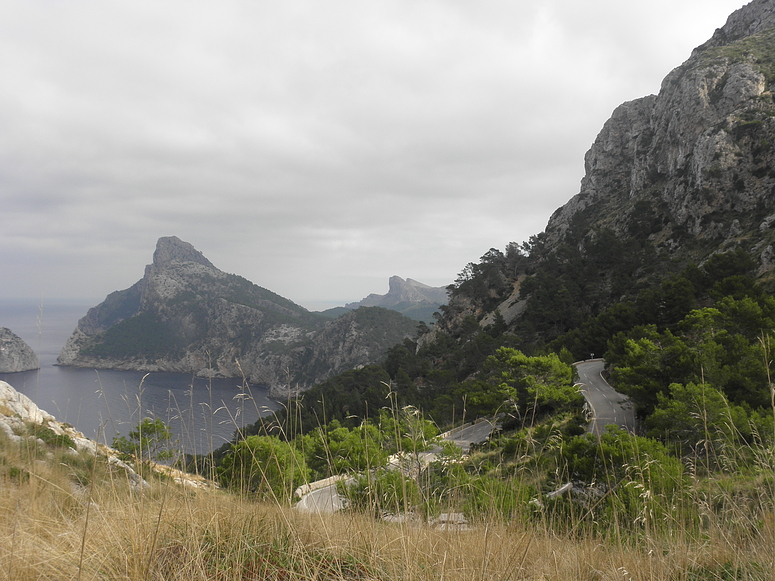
pixel 693 167
pixel 15 354
pixel 186 315
pixel 21 419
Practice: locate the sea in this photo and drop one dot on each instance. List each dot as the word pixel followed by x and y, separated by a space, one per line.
pixel 102 404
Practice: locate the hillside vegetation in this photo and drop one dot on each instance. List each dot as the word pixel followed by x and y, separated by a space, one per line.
pixel 68 514
pixel 662 265
pixel 699 377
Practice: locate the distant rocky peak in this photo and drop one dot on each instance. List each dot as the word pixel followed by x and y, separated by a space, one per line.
pixel 172 249
pixel 751 19
pixel 397 285
pixel 403 291
pixel 396 282
pixel 414 291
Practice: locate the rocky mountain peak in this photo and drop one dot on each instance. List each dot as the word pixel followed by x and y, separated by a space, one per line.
pixel 691 169
pixel 414 291
pixel 401 291
pixel 172 249
pixel 185 315
pixel 751 19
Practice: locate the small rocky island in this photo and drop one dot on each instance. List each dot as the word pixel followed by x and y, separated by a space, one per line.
pixel 15 354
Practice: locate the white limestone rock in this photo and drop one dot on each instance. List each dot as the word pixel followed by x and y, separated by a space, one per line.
pixel 18 412
pixel 20 406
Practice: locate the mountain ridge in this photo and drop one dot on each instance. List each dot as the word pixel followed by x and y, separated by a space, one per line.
pixel 401 291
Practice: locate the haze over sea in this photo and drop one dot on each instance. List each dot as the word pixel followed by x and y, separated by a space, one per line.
pixel 203 413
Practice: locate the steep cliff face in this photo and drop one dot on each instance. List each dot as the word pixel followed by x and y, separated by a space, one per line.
pixel 15 354
pixel 671 179
pixel 185 315
pixel 693 168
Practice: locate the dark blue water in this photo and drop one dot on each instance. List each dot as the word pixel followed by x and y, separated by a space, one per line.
pixel 202 413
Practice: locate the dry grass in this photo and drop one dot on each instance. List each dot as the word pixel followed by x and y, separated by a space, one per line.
pixel 51 528
pixel 70 516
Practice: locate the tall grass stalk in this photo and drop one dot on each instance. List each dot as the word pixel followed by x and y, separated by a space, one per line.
pixel 51 530
pixel 65 515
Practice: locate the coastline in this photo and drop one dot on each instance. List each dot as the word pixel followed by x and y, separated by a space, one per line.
pixel 101 403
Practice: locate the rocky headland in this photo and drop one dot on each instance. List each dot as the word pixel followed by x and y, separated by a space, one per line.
pixel 22 420
pixel 186 315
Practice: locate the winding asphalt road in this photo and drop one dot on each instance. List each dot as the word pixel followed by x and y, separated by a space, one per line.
pixel 325 500
pixel 475 433
pixel 606 405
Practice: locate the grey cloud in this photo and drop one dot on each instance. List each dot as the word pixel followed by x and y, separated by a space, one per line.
pixel 314 148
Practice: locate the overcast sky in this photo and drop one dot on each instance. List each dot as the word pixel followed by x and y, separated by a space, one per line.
pixel 315 148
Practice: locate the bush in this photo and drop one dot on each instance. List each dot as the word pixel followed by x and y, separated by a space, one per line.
pixel 264 466
pixel 640 481
pixel 149 441
pixel 382 492
pixel 50 438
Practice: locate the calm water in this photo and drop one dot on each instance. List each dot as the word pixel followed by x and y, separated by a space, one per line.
pixel 203 414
